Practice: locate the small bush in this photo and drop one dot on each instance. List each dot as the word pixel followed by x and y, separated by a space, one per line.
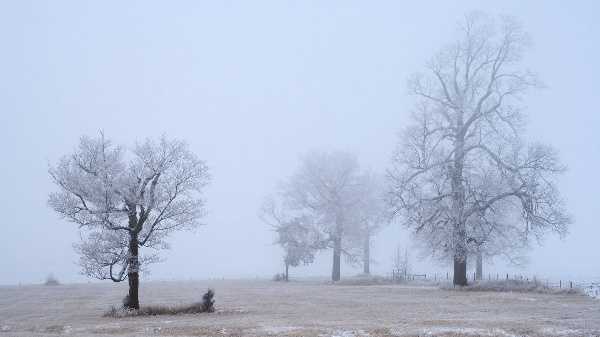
pixel 279 277
pixel 207 305
pixel 51 281
pixel 126 301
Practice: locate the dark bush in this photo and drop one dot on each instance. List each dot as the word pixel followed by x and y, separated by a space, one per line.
pixel 51 281
pixel 208 303
pixel 126 301
pixel 279 277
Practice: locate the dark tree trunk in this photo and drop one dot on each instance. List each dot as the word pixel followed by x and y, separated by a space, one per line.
pixel 287 274
pixel 479 267
pixel 133 273
pixel 337 251
pixel 460 271
pixel 367 255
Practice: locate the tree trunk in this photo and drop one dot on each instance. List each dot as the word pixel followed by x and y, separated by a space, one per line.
pixel 287 274
pixel 479 267
pixel 367 255
pixel 459 231
pixel 337 251
pixel 133 273
pixel 460 271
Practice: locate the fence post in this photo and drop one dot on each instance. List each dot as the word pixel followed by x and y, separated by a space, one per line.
pixel 571 284
pixel 560 284
pixel 446 276
pixel 507 276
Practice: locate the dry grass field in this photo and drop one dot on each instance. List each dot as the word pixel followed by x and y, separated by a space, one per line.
pixel 266 308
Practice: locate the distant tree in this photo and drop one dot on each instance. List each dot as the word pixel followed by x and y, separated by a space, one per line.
pixel 297 236
pixel 326 189
pixel 123 200
pixel 464 157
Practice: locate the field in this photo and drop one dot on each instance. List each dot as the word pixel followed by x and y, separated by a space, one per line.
pixel 266 308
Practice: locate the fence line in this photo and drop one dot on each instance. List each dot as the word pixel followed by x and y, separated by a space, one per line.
pixel 592 288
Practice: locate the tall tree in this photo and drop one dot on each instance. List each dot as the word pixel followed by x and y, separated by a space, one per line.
pixel 464 156
pixel 124 200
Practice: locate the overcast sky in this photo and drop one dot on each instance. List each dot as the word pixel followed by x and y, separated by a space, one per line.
pixel 251 85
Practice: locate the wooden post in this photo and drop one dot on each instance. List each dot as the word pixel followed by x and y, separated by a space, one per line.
pixel 560 284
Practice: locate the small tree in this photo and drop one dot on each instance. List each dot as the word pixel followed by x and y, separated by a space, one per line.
pixel 125 200
pixel 297 236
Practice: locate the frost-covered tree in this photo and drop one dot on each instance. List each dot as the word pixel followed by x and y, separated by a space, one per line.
pixel 464 156
pixel 297 236
pixel 124 200
pixel 326 189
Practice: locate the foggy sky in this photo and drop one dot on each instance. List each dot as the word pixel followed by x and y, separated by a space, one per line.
pixel 251 86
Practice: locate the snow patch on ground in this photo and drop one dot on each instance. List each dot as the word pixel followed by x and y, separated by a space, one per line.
pixel 346 333
pixel 564 332
pixel 5 328
pixel 453 330
pixel 275 330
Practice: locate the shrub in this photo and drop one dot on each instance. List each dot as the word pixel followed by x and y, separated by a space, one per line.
pixel 279 277
pixel 51 281
pixel 126 301
pixel 208 303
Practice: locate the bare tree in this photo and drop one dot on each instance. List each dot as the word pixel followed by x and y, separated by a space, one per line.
pixel 326 189
pixel 464 156
pixel 297 236
pixel 124 200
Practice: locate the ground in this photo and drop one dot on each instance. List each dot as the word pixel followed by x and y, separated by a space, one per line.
pixel 266 308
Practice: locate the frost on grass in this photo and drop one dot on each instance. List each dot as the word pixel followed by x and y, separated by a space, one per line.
pixel 512 286
pixel 207 305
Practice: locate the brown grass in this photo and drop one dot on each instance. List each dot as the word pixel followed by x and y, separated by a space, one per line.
pixel 155 310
